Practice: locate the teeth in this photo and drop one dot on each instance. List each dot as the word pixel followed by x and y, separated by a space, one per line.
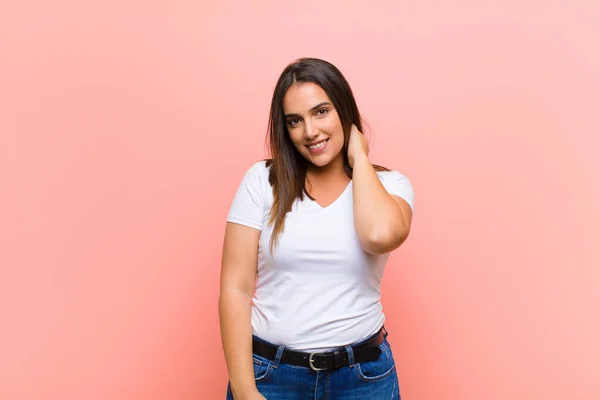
pixel 317 146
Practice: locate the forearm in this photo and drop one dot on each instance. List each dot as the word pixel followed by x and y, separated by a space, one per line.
pixel 236 334
pixel 375 211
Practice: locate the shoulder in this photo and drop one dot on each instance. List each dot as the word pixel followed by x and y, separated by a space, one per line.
pixel 262 167
pixel 256 180
pixel 258 171
pixel 398 184
pixel 392 175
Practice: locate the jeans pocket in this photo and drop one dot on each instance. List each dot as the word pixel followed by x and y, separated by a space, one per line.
pixel 262 369
pixel 383 367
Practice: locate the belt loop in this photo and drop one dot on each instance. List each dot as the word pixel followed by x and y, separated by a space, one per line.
pixel 350 355
pixel 277 360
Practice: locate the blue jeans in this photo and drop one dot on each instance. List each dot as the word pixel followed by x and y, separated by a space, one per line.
pixel 373 380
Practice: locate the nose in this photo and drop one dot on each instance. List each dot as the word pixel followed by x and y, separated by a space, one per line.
pixel 311 131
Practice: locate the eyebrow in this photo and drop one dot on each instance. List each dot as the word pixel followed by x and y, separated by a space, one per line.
pixel 325 103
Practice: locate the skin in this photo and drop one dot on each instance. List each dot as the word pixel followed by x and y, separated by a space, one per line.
pixel 307 125
pixel 382 221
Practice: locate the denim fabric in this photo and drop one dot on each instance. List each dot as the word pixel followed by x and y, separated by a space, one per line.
pixel 373 380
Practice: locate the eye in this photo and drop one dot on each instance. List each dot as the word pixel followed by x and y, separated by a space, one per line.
pixel 322 111
pixel 293 122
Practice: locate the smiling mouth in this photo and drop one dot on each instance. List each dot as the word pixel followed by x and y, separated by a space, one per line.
pixel 318 146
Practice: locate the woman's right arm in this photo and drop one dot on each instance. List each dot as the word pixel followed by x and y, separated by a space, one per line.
pixel 238 278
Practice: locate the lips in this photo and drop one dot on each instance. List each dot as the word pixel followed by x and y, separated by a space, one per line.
pixel 317 145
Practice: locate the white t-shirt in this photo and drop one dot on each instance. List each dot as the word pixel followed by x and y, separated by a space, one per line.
pixel 319 289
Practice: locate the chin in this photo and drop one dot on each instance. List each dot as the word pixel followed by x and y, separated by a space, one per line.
pixel 321 162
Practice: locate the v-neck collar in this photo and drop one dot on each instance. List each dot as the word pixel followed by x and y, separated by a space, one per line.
pixel 337 200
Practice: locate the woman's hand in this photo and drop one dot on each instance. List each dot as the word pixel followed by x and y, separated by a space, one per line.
pixel 357 145
pixel 254 396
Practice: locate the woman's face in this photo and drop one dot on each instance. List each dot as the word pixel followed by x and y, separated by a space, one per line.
pixel 313 124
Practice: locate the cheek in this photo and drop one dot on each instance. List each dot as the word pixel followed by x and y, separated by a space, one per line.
pixel 296 136
pixel 337 132
pixel 334 127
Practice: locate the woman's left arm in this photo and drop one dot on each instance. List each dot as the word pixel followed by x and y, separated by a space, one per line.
pixel 381 220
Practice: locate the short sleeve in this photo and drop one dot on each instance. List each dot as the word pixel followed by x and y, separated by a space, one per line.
pixel 397 184
pixel 247 206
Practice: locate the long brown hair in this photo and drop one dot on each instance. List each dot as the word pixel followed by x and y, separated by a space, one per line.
pixel 287 175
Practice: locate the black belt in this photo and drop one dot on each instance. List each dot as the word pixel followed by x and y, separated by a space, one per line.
pixel 366 351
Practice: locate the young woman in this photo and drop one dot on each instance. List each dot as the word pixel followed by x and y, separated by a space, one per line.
pixel 307 238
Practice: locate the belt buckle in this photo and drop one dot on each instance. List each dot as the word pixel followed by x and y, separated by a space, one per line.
pixel 310 363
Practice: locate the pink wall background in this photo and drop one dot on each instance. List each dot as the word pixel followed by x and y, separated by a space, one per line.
pixel 125 129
